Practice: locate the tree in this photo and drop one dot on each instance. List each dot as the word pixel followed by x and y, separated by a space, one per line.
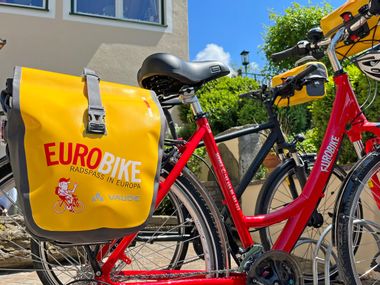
pixel 288 29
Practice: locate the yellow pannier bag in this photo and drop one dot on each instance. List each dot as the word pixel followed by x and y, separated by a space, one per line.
pixel 312 87
pixel 86 154
pixel 366 37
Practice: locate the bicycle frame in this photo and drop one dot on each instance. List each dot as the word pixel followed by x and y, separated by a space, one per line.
pixel 345 112
pixel 275 137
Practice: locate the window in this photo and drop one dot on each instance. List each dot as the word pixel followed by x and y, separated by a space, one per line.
pixel 149 11
pixel 35 4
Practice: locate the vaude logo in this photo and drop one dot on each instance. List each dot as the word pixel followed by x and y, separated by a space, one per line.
pixel 115 197
pixel 124 198
pixel 97 198
pixel 329 153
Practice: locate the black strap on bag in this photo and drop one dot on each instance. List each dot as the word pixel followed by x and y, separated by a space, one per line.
pixel 96 114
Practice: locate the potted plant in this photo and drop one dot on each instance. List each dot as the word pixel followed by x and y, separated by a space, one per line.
pixel 271 160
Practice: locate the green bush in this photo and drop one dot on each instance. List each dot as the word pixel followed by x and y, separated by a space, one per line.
pixel 321 110
pixel 308 145
pixel 295 119
pixel 220 99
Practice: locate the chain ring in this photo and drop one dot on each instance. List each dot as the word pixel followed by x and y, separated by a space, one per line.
pixel 275 268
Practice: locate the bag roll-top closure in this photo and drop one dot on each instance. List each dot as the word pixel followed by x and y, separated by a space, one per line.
pixel 96 113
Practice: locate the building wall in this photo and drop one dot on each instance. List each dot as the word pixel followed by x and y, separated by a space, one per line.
pixel 61 42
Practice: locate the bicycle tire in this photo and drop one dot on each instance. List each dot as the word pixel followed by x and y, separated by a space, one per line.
pixel 59 207
pixel 79 207
pixel 358 256
pixel 199 207
pixel 48 275
pixel 275 193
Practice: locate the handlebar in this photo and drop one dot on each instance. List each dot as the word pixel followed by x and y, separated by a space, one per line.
pixel 304 73
pixel 290 52
pixel 300 49
pixel 252 94
pixel 293 82
pixel 303 48
pixel 284 89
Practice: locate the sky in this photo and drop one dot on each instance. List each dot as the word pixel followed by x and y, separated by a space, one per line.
pixel 221 29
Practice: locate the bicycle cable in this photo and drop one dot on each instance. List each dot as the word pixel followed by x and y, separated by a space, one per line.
pixel 362 106
pixel 374 95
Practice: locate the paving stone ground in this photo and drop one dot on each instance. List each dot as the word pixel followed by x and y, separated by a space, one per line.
pixel 29 278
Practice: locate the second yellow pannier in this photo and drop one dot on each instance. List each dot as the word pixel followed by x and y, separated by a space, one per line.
pixel 86 154
pixel 313 87
pixel 366 37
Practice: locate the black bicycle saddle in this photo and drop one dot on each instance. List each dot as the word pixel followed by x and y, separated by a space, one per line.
pixel 166 74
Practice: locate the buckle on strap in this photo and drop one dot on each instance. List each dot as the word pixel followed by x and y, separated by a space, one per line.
pixel 96 122
pixel 89 72
pixel 96 113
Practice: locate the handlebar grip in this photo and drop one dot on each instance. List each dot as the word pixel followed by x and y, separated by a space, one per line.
pixel 291 84
pixel 307 71
pixel 290 52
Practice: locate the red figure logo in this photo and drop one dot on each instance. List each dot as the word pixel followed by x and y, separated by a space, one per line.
pixel 67 199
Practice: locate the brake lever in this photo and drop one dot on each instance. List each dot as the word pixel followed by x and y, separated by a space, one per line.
pixel 256 93
pixel 251 94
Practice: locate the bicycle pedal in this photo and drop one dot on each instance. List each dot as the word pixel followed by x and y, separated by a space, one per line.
pixel 249 257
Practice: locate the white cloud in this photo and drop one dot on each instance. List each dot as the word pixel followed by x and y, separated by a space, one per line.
pixel 254 67
pixel 215 52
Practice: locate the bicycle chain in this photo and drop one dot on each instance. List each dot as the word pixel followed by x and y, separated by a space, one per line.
pixel 178 275
pixel 174 275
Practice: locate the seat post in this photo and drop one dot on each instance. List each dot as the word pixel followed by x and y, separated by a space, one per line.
pixel 188 97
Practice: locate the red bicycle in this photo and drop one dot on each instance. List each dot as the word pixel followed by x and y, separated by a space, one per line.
pixel 136 258
pixel 63 204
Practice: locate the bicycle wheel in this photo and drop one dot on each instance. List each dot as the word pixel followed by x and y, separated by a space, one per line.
pixel 59 207
pixel 14 239
pixel 79 207
pixel 358 224
pixel 187 219
pixel 280 189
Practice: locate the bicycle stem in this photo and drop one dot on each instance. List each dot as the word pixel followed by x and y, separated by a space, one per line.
pixel 337 67
pixel 331 50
